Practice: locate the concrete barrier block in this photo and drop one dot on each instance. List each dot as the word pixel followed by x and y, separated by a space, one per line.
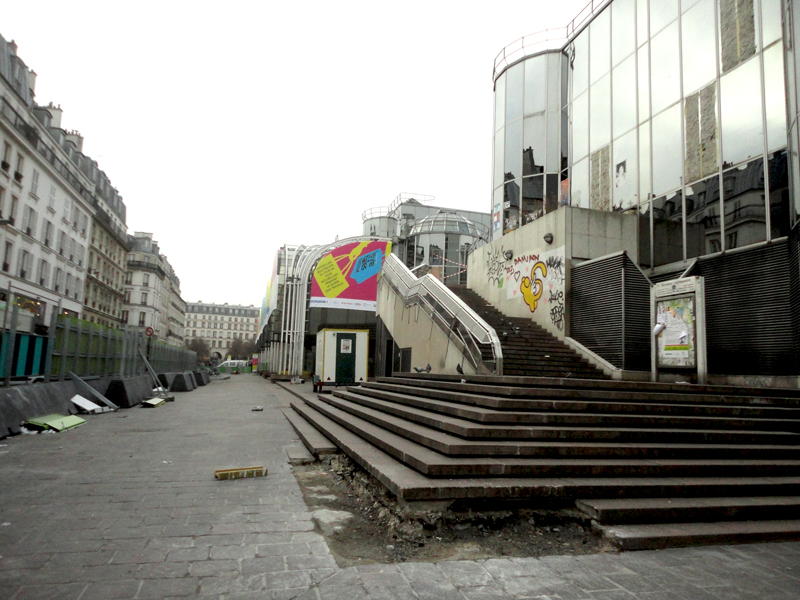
pixel 201 378
pixel 191 379
pixel 176 382
pixel 129 391
pixel 23 402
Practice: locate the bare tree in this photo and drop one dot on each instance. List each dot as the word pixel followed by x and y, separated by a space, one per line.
pixel 200 347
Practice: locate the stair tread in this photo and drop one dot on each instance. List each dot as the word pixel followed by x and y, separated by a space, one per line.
pixel 505 405
pixel 488 415
pixel 502 382
pixel 410 485
pixel 662 535
pixel 555 432
pixel 311 437
pixel 428 458
pixel 581 388
pixel 656 503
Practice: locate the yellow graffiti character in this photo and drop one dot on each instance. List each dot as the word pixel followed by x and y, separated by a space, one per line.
pixel 532 290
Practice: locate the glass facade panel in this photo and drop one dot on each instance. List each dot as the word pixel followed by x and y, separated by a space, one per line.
pixel 668 229
pixel 775 96
pixel 600 113
pixel 533 144
pixel 667 154
pixel 580 127
pixel 687 4
pixel 701 132
pixel 579 193
pixel 623 82
pixel 600 45
pixel 564 138
pixel 623 30
pixel 514 82
pixel 500 102
pixel 626 169
pixel 511 206
pixel 643 62
pixel 742 131
pixel 498 158
pixel 666 68
pixel 642 22
pixel 745 210
pixel 699 46
pixel 535 85
pixel 644 162
pixel 532 198
pixel 551 192
pixel 580 64
pixel 702 217
pixel 553 77
pixel 552 162
pixel 771 21
pixel 779 194
pixel 737 26
pixel 645 251
pixel 662 13
pixel 513 150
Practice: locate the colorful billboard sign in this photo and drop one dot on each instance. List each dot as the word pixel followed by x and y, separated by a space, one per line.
pixel 347 277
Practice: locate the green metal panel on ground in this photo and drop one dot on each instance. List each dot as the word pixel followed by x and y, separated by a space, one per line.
pixel 56 422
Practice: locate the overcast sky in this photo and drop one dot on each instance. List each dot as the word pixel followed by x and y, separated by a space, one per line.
pixel 232 128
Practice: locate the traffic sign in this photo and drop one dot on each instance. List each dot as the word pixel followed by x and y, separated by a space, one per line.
pixel 149 331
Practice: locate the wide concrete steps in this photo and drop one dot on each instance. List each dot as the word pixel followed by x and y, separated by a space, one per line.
pixel 570 413
pixel 412 486
pixel 399 418
pixel 524 388
pixel 652 464
pixel 439 454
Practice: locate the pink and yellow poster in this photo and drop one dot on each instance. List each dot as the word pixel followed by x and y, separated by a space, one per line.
pixel 347 277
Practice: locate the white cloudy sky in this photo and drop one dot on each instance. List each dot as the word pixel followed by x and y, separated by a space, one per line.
pixel 232 128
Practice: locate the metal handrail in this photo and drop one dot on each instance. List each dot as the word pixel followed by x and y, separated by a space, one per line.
pixel 453 312
pixel 540 40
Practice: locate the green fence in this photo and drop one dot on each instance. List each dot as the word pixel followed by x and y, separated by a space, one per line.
pixel 86 349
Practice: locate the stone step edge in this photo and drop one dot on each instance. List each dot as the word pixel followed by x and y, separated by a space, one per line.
pixel 677 535
pixel 404 407
pixel 433 464
pixel 449 442
pixel 503 404
pixel 619 511
pixel 411 486
pixel 566 389
pixel 615 384
pixel 312 438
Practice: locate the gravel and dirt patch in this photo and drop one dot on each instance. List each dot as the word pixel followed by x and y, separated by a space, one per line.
pixel 363 523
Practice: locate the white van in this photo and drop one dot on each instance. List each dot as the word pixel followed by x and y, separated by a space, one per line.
pixel 234 366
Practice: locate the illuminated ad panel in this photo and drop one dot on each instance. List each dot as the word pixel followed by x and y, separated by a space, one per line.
pixel 347 277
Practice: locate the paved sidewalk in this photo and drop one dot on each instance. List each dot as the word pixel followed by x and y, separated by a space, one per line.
pixel 126 506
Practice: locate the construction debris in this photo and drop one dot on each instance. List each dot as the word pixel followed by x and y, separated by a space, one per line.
pixel 240 473
pixel 88 406
pixel 153 402
pixel 56 422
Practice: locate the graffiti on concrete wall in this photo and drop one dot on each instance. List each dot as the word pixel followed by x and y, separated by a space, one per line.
pixel 495 267
pixel 537 279
pixel 556 299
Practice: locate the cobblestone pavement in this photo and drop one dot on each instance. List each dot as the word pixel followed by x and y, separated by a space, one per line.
pixel 126 506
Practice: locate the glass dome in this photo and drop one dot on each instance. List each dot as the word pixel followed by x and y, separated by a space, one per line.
pixel 447 221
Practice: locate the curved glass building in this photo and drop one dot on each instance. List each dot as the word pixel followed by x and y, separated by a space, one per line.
pixel 651 143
